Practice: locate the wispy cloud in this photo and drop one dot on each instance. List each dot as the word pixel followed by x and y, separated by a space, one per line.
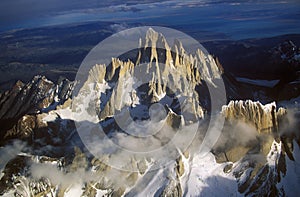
pixel 9 152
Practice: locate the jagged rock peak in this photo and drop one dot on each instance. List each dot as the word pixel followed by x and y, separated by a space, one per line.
pixel 155 40
pixel 266 147
pixel 176 56
pixel 151 48
pixel 263 117
pixel 154 49
pixel 36 95
pixel 160 67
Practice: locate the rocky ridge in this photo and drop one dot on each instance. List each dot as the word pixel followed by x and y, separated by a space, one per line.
pixel 20 106
pixel 256 159
pixel 161 71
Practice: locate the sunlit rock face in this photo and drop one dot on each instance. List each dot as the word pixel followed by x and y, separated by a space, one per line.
pixel 263 117
pixel 254 143
pixel 168 71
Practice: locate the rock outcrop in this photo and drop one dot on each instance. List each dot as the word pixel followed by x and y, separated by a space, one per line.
pixel 263 117
pixel 19 107
pixel 37 95
pixel 254 143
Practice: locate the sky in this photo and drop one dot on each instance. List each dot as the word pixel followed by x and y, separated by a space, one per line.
pixel 234 17
pixel 18 12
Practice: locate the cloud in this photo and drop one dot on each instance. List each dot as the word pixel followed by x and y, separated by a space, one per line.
pixel 118 27
pixel 289 125
pixel 110 178
pixel 35 13
pixel 151 140
pixel 239 133
pixel 32 12
pixel 256 158
pixel 19 10
pixel 9 152
pixel 243 133
pixel 58 177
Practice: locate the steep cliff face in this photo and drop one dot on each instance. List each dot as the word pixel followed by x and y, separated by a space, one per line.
pixel 34 96
pixel 263 117
pixel 254 144
pixel 19 105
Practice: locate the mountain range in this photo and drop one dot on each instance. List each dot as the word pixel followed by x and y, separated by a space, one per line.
pixel 55 135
